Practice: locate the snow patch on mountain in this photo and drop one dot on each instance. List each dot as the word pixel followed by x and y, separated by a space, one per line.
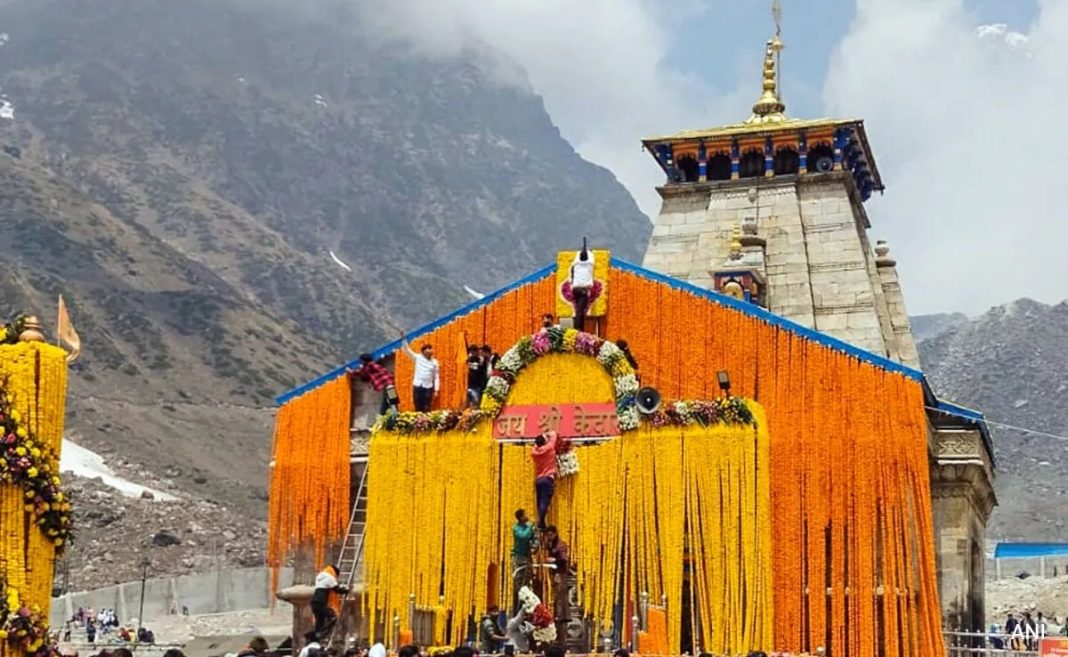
pixel 87 464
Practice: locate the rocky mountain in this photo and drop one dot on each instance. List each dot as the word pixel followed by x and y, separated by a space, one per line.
pixel 925 327
pixel 234 195
pixel 1012 363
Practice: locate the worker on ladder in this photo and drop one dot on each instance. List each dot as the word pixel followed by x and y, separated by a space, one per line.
pixel 325 584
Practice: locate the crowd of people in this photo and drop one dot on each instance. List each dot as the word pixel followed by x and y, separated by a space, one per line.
pixel 426 379
pixel 1023 632
pixel 104 625
pixel 509 650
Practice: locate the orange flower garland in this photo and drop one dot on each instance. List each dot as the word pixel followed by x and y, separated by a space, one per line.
pixel 309 479
pixel 849 492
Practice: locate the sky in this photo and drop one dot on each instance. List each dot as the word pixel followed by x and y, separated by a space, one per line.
pixel 962 100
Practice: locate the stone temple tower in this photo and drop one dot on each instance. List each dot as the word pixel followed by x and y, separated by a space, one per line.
pixel 772 210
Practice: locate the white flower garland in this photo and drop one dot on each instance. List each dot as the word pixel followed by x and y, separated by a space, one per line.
pixel 609 353
pixel 626 385
pixel 629 418
pixel 567 464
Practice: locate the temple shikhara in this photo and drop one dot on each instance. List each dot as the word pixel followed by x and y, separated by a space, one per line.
pixel 747 456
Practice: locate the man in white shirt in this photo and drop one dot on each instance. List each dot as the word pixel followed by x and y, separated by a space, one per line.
pixel 582 284
pixel 427 379
pixel 518 631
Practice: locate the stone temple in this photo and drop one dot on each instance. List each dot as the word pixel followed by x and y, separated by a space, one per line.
pixel 863 526
pixel 771 210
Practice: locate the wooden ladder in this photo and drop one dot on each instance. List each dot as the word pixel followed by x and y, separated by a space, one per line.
pixel 351 557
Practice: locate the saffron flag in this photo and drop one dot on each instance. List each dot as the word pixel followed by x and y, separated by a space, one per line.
pixel 66 333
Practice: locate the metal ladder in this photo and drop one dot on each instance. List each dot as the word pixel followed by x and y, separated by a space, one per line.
pixel 351 555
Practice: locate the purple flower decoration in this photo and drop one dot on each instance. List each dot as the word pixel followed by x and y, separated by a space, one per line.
pixel 541 343
pixel 588 344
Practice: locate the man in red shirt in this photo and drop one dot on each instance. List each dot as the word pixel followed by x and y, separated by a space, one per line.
pixel 380 379
pixel 544 455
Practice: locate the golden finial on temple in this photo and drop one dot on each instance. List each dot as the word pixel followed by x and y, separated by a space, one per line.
pixel 769 108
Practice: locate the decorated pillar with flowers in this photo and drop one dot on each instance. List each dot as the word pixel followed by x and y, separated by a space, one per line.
pixel 35 519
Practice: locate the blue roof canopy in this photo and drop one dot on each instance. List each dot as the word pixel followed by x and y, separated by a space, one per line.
pixel 1029 550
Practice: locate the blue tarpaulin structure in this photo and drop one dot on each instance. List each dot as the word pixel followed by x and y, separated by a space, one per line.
pixel 1029 550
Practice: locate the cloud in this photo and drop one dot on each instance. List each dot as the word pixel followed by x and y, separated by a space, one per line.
pixel 966 124
pixel 600 66
pixel 1001 32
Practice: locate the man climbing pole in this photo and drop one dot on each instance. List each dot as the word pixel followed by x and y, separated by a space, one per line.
pixel 325 584
pixel 544 455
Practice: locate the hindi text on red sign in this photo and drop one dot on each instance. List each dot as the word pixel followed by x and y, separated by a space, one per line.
pixel 568 420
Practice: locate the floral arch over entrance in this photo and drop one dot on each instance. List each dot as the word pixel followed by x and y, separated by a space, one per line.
pixel 560 340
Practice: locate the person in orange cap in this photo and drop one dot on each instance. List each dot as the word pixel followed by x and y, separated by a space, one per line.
pixel 325 584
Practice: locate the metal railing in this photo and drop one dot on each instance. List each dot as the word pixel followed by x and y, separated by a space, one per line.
pixel 961 643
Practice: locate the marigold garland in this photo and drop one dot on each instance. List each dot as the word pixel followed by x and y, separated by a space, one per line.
pixel 23 627
pixel 308 505
pixel 727 410
pixel 847 461
pixel 33 466
pixel 33 380
pixel 430 482
pixel 850 489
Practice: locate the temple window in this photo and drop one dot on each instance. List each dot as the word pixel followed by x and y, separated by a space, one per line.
pixel 752 163
pixel 688 168
pixel 719 167
pixel 787 161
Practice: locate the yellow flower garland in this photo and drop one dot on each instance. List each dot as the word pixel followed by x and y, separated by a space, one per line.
pixel 37 380
pixel 441 510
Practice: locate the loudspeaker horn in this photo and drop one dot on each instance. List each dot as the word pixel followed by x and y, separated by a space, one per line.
pixel 824 164
pixel 648 400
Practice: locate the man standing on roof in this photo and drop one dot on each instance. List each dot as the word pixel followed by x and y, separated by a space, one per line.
pixel 477 376
pixel 582 284
pixel 544 455
pixel 427 379
pixel 380 379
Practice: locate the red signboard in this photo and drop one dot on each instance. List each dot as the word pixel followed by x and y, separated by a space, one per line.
pixel 1056 647
pixel 568 420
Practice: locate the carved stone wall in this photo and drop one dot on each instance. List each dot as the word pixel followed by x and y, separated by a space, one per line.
pixel 820 267
pixel 962 491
